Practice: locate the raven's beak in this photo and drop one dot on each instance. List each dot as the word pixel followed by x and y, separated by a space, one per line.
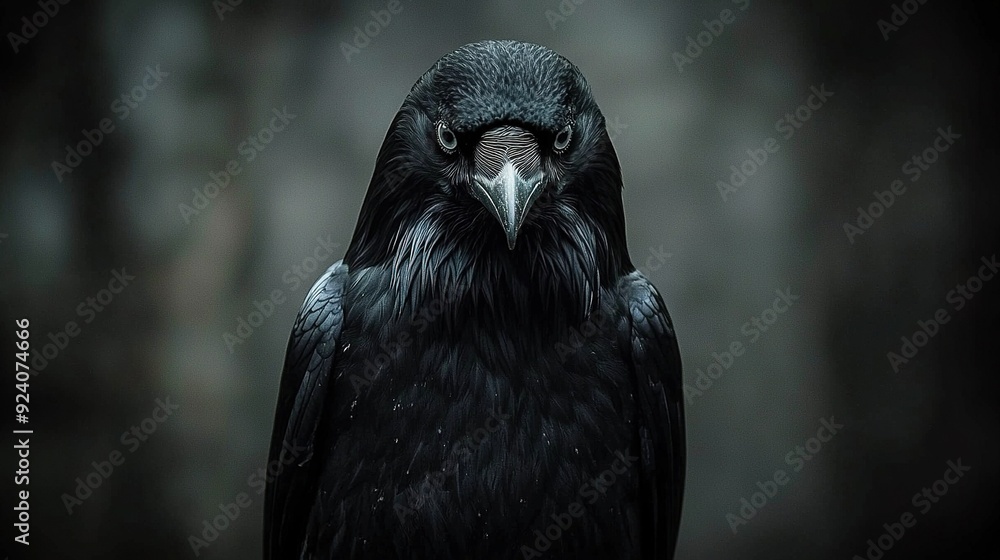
pixel 508 176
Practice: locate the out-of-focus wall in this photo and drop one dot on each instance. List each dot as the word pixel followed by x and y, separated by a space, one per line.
pixel 815 108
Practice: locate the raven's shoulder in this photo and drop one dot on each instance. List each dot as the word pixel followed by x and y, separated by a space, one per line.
pixel 655 360
pixel 309 359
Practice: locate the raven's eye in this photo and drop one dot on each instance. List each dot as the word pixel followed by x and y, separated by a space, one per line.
pixel 446 138
pixel 563 138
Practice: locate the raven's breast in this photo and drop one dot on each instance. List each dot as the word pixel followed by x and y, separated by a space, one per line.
pixel 454 440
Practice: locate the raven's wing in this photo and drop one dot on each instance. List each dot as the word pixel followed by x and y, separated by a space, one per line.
pixel 301 399
pixel 656 363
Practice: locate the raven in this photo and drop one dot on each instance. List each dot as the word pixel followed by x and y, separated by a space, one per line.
pixel 485 374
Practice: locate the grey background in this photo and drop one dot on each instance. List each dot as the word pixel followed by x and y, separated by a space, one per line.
pixel 677 134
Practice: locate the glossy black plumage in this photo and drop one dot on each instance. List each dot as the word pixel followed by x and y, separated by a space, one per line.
pixel 445 395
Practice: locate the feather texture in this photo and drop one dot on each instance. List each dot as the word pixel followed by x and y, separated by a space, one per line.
pixel 448 397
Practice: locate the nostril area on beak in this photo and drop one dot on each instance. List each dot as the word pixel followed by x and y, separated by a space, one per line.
pixel 504 144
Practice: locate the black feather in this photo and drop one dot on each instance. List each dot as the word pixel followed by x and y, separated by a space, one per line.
pixel 556 360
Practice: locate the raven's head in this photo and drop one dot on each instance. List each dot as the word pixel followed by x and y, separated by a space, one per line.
pixel 499 149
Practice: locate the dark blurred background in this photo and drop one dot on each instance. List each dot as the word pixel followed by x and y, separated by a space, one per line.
pixel 200 77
